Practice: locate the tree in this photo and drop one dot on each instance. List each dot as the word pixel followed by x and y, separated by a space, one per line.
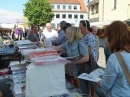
pixel 25 19
pixel 38 12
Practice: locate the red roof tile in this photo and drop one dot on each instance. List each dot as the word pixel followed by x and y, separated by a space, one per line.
pixel 65 1
pixel 81 2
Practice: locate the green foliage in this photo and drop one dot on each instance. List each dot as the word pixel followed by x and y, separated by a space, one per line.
pixel 38 12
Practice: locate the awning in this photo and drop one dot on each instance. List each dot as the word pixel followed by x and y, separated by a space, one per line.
pixel 4 25
pixel 101 24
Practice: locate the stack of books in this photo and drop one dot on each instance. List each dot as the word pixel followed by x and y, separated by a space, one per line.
pixel 18 77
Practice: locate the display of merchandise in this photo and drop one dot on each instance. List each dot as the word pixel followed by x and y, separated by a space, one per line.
pixel 17 63
pixel 3 77
pixel 28 51
pixel 18 77
pixel 42 74
pixel 51 59
pixel 4 71
pixel 46 53
pixel 4 49
pixel 25 46
pixel 21 42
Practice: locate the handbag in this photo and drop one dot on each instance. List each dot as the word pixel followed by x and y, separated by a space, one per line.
pixel 89 66
pixel 123 66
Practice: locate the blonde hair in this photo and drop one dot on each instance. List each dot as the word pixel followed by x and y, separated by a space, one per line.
pixel 75 34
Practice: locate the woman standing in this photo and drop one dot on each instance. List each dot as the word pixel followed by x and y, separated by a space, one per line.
pixel 90 40
pixel 88 37
pixel 114 82
pixel 74 47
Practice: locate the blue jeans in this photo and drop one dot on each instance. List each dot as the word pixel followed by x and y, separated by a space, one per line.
pixel 84 85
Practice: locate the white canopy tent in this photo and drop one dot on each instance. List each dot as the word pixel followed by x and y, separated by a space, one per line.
pixel 101 24
pixel 4 25
pixel 8 27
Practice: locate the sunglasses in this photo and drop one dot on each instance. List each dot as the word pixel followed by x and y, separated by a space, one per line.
pixel 85 22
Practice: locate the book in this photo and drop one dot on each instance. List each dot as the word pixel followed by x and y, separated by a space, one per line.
pixel 94 76
pixel 70 58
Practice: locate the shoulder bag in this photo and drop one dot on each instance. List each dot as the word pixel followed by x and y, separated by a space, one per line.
pixel 123 66
pixel 89 66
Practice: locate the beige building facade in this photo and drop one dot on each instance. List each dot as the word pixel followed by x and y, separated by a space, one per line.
pixel 108 10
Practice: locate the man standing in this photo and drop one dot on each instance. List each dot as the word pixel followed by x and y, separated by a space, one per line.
pixel 61 37
pixel 33 35
pixel 94 32
pixel 49 35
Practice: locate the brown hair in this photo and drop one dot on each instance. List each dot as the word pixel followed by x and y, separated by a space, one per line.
pixel 118 36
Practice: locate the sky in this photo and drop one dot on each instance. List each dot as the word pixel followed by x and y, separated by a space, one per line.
pixel 12 9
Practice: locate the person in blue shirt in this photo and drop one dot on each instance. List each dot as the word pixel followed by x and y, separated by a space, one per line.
pixel 90 40
pixel 114 82
pixel 88 37
pixel 107 52
pixel 61 37
pixel 74 47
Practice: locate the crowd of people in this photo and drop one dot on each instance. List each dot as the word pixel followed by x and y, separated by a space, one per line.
pixel 73 41
pixel 82 41
pixel 79 42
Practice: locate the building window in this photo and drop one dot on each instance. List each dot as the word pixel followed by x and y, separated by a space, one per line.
pixel 53 7
pixel 64 6
pixel 57 15
pixel 53 25
pixel 64 16
pixel 96 8
pixel 58 6
pixel 58 25
pixel 69 7
pixel 70 16
pixel 75 7
pixel 92 9
pixel 114 4
pixel 75 16
pixel 81 16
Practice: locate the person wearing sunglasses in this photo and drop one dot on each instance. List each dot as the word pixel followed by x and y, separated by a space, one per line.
pixel 75 48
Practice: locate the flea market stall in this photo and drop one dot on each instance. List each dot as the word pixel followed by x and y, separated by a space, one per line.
pixel 40 72
pixel 4 28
